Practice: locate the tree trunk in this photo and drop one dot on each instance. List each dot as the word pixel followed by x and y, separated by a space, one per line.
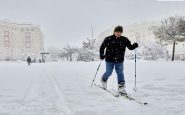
pixel 167 54
pixel 70 57
pixel 173 52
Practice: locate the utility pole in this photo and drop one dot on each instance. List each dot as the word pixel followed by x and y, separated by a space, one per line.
pixel 92 38
pixel 92 32
pixel 92 41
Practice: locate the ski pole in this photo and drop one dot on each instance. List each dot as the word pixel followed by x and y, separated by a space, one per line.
pixel 135 71
pixel 96 73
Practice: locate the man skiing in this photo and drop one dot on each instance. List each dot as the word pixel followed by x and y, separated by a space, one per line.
pixel 29 60
pixel 115 46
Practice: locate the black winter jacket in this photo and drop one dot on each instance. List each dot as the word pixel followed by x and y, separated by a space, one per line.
pixel 115 48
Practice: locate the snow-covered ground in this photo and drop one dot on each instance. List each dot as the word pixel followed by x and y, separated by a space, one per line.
pixel 63 88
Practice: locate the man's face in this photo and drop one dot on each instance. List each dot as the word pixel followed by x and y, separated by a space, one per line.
pixel 118 34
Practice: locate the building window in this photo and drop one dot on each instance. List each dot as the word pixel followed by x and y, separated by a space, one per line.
pixel 6 33
pixel 28 45
pixel 27 34
pixel 28 40
pixel 7 44
pixel 6 39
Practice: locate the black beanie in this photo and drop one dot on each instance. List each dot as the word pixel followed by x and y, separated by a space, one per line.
pixel 118 29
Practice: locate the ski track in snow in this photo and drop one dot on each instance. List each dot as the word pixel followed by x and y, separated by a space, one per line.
pixel 41 97
pixel 64 89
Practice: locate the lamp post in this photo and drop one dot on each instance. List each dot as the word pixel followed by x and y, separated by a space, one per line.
pixel 183 52
pixel 12 38
pixel 43 56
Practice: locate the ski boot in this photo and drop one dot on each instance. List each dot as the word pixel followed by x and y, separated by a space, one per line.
pixel 103 84
pixel 121 88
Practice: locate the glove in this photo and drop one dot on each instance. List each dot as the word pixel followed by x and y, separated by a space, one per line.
pixel 135 45
pixel 102 57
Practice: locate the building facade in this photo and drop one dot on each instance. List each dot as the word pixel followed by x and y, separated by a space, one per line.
pixel 17 41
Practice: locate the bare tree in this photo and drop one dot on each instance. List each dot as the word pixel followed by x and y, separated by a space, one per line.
pixel 88 51
pixel 154 51
pixel 170 31
pixel 69 52
pixel 62 54
pixel 89 44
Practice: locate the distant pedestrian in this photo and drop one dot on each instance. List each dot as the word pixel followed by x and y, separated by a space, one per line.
pixel 40 61
pixel 29 60
pixel 34 60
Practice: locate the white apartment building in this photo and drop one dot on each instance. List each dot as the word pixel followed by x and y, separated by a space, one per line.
pixel 17 41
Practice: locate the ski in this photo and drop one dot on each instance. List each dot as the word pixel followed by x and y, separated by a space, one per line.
pixel 133 99
pixel 129 97
pixel 116 94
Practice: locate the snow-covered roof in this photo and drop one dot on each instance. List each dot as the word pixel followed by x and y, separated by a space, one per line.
pixel 15 24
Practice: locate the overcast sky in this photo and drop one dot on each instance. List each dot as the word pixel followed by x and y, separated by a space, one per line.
pixel 69 21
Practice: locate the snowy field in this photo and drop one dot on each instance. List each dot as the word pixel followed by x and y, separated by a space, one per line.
pixel 63 88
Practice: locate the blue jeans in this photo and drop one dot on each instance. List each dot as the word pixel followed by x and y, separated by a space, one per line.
pixel 119 70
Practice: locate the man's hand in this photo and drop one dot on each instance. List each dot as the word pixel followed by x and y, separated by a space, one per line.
pixel 135 45
pixel 102 57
